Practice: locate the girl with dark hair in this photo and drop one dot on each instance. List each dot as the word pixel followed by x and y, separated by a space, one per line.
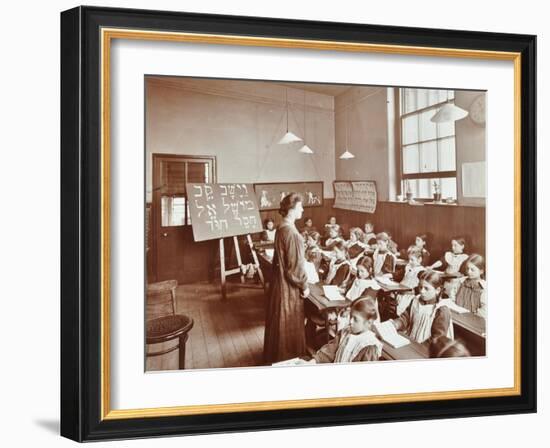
pixel 284 324
pixel 384 259
pixel 362 285
pixel 421 242
pixel 427 317
pixel 308 227
pixel 356 342
pixel 339 266
pixel 355 244
pixel 269 230
pixel 471 293
pixel 453 260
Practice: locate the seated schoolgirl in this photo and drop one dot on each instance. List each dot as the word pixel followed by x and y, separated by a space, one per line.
pixel 269 230
pixel 362 285
pixel 311 264
pixel 333 238
pixel 369 237
pixel 312 239
pixel 308 227
pixel 471 292
pixel 427 317
pixel 355 244
pixel 453 260
pixel 421 242
pixel 444 347
pixel 338 268
pixel 410 279
pixel 384 259
pixel 355 342
pixel 332 225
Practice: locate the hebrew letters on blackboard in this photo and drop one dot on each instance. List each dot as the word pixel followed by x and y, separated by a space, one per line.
pixel 359 196
pixel 222 210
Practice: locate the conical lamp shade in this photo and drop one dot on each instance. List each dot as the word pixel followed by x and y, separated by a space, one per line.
pixel 449 112
pixel 347 155
pixel 289 137
pixel 305 150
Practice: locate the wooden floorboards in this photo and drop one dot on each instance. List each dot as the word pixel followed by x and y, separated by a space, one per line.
pixel 226 333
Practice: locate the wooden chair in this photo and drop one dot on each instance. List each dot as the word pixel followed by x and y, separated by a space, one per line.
pixel 161 293
pixel 168 328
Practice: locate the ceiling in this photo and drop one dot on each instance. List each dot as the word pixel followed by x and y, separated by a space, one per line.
pixel 325 89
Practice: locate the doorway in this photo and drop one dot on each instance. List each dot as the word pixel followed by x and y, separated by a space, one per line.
pixel 175 254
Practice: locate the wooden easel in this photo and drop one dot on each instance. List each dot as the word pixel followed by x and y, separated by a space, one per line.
pixel 238 270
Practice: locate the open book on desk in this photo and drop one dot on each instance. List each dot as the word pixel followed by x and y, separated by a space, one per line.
pixel 389 334
pixel 332 292
pixel 386 281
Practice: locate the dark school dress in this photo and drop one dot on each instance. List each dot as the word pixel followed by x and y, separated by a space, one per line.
pixel 284 323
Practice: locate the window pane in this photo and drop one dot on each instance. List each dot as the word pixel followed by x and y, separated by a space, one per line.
pixel 424 188
pixel 172 211
pixel 421 98
pixel 410 129
pixel 428 157
pixel 447 154
pixel 411 186
pixel 195 172
pixel 428 130
pixel 411 161
pixel 409 100
pixel 172 177
pixel 433 96
pixel 448 188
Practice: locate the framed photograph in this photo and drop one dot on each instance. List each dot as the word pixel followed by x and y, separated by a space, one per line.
pixel 273 224
pixel 270 194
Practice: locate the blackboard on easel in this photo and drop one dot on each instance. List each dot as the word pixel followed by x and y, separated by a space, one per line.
pixel 220 211
pixel 223 210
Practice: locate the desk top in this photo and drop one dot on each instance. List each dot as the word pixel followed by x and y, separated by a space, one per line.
pixel 392 288
pixel 412 351
pixel 471 322
pixel 317 298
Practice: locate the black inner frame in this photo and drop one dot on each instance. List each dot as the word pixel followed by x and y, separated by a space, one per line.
pixel 81 208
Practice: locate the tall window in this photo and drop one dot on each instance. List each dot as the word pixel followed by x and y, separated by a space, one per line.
pixel 428 156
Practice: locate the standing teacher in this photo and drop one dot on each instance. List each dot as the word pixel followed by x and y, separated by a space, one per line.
pixel 284 322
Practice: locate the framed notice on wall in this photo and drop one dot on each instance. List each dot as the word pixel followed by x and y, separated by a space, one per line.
pixel 359 196
pixel 270 194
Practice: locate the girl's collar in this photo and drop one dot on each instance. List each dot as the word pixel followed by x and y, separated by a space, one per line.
pixel 426 302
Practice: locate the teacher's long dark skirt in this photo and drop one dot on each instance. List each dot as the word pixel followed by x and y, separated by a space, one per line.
pixel 284 323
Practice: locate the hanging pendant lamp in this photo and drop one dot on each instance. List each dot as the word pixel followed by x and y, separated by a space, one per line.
pixel 305 149
pixel 347 154
pixel 449 112
pixel 289 137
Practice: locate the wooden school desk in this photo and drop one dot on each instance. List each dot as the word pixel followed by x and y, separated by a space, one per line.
pixel 387 303
pixel 324 306
pixel 412 351
pixel 470 329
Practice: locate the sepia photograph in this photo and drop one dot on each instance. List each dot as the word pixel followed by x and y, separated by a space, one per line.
pixel 292 223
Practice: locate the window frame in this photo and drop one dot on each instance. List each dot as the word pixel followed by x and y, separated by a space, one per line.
pixel 187 158
pixel 402 176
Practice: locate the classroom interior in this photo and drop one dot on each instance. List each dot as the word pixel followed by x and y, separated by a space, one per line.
pixel 227 131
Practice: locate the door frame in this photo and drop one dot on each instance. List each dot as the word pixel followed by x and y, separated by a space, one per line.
pixel 155 210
